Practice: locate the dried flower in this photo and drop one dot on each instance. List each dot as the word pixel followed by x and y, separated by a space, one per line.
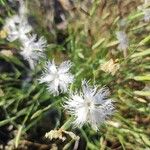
pixel 57 77
pixel 7 53
pixel 91 106
pixel 123 40
pixel 60 134
pixel 55 134
pixel 33 49
pixel 110 66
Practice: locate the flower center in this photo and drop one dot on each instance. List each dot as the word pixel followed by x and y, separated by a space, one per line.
pixel 89 104
pixel 56 76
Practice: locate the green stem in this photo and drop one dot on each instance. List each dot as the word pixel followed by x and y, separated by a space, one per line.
pixel 67 124
pixel 21 127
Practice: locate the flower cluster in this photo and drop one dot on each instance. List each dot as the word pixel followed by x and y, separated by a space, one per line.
pixel 18 28
pixel 88 106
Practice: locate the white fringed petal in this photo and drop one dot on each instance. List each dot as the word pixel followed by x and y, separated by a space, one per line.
pixel 91 106
pixel 60 77
pixel 33 49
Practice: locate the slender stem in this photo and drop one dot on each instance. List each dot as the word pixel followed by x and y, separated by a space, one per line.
pixel 67 124
pixel 21 127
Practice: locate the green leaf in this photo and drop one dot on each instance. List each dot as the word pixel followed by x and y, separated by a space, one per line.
pixel 145 41
pixel 98 43
pixel 2 2
pixel 114 43
pixel 3 122
pixel 142 93
pixel 12 59
pixel 145 139
pixel 138 27
pixel 135 16
pixel 36 114
pixel 140 54
pixel 121 139
pixel 142 78
pixel 18 136
pixel 21 127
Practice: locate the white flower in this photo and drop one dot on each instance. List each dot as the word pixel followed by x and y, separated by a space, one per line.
pixel 57 78
pixel 146 10
pixel 91 106
pixel 33 49
pixel 146 15
pixel 123 40
pixel 17 28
